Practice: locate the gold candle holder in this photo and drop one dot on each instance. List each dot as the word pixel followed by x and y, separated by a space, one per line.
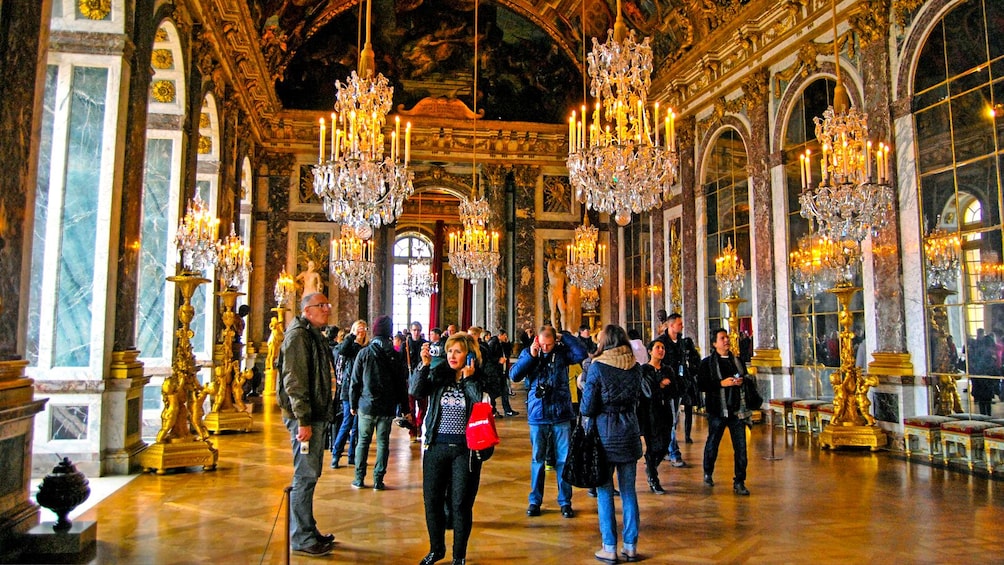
pixel 228 412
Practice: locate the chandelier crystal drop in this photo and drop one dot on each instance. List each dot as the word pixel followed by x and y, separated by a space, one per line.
pixel 809 276
pixel 352 261
pixel 942 252
pixel 358 183
pixel 196 238
pixel 283 288
pixel 474 252
pixel 729 272
pixel 990 277
pixel 616 160
pixel 842 258
pixel 853 198
pixel 233 260
pixel 586 263
pixel 590 299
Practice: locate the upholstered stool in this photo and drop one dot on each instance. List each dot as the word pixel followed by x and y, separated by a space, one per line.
pixel 993 447
pixel 971 416
pixel 922 435
pixel 805 415
pixel 824 413
pixel 785 407
pixel 963 440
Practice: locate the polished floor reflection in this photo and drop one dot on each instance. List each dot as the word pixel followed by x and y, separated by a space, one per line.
pixel 809 506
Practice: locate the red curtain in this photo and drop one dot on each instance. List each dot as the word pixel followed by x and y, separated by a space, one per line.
pixel 437 269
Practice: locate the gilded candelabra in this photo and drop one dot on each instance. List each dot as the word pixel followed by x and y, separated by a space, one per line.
pixel 183 440
pixel 277 332
pixel 730 275
pixel 226 390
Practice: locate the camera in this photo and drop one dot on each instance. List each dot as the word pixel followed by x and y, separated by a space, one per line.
pixel 542 390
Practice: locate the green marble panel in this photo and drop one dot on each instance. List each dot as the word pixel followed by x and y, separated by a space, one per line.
pixel 153 249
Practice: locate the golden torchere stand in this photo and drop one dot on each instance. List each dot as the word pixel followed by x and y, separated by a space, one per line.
pixel 852 424
pixel 946 393
pixel 183 440
pixel 277 333
pixel 733 303
pixel 226 390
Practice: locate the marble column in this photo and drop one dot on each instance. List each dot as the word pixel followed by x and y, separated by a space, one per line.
pixel 22 52
pixel 381 289
pixel 494 179
pixel 891 357
pixel 275 170
pixel 659 243
pixel 685 132
pixel 525 178
pixel 755 90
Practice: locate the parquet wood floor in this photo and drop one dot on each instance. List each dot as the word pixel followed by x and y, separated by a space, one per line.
pixel 811 506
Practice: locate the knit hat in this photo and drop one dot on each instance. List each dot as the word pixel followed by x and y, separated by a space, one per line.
pixel 382 326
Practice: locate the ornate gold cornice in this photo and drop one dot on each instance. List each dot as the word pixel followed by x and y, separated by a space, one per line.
pixel 871 21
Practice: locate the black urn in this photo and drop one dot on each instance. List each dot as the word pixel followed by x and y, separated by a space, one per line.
pixel 61 491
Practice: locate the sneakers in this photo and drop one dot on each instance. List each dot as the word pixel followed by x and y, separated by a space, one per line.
pixel 326 538
pixel 678 463
pixel 379 486
pixel 655 487
pixel 358 484
pixel 533 510
pixel 432 557
pixel 512 413
pixel 317 550
pixel 567 512
pixel 740 489
pixel 708 481
pixel 334 462
pixel 591 492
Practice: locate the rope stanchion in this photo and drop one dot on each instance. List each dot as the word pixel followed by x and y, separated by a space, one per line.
pixel 284 501
pixel 772 456
pixel 289 548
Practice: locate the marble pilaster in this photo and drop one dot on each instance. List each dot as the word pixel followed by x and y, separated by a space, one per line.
pixel 274 174
pixel 685 136
pixel 381 290
pixel 525 178
pixel 494 179
pixel 122 419
pixel 18 407
pixel 659 244
pixel 887 266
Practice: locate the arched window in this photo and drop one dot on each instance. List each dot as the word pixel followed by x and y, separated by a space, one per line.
pixel 407 309
pixel 814 327
pixel 727 209
pixel 958 111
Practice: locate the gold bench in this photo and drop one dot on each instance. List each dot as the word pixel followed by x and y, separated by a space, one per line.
pixel 993 447
pixel 922 435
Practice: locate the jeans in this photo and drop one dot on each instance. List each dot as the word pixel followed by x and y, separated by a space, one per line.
pixel 306 470
pixel 347 431
pixel 367 425
pixel 674 447
pixel 716 429
pixel 626 473
pixel 540 434
pixel 449 470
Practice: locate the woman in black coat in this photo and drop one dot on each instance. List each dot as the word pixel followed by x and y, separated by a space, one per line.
pixel 655 411
pixel 449 468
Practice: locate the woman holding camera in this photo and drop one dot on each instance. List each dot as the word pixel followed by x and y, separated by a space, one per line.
pixel 610 395
pixel 449 468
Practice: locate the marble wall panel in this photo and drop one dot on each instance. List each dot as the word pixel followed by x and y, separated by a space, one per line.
pixel 68 422
pixel 886 407
pixel 75 277
pixel 154 247
pixel 41 214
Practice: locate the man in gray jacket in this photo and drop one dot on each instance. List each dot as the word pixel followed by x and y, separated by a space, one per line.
pixel 303 394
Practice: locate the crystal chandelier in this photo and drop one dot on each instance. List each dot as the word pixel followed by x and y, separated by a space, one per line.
pixel 941 253
pixel 586 263
pixel 283 288
pixel 233 260
pixel 809 275
pixel 590 299
pixel 473 251
pixel 854 197
pixel 420 279
pixel 842 259
pixel 990 278
pixel 616 160
pixel 196 238
pixel 360 186
pixel 352 261
pixel 729 272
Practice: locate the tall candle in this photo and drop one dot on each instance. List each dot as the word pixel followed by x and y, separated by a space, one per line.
pixel 320 149
pixel 407 144
pixel 397 136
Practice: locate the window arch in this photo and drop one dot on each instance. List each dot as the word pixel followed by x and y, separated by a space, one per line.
pixel 406 309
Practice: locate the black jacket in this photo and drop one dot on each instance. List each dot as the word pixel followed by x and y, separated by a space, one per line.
pixel 707 379
pixel 304 390
pixel 682 353
pixel 347 350
pixel 431 382
pixel 379 384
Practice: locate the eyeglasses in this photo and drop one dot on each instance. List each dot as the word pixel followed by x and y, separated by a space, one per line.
pixel 321 305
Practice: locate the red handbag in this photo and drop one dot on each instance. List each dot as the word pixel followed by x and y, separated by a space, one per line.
pixel 481 432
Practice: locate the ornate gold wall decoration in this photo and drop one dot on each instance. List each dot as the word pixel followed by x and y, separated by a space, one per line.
pixel 675 268
pixel 160 36
pixel 871 21
pixel 162 59
pixel 755 88
pixel 163 91
pixel 903 10
pixel 203 121
pixel 95 9
pixel 205 145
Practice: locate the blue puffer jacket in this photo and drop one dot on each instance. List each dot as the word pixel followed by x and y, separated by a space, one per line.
pixel 554 406
pixel 610 396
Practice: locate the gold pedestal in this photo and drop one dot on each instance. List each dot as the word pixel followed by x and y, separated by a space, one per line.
pixel 160 457
pixel 852 436
pixel 228 420
pixel 183 440
pixel 891 364
pixel 228 411
pixel 766 358
pixel 733 303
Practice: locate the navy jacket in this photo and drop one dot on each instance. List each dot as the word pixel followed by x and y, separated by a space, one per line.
pixel 379 384
pixel 552 403
pixel 610 396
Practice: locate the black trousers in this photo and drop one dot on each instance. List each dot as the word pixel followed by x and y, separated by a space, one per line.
pixel 449 470
pixel 716 429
